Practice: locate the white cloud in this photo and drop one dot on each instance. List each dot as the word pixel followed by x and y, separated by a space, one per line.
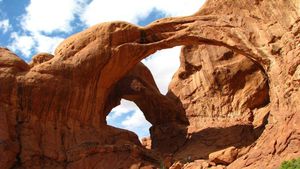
pixel 133 10
pixel 22 43
pixel 179 7
pixel 4 25
pixel 101 11
pixel 163 64
pixel 136 121
pixel 45 16
pixel 124 108
pixel 51 15
pixel 134 118
pixel 46 43
pixel 37 42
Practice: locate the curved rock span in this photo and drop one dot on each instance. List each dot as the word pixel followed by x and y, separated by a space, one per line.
pixel 233 102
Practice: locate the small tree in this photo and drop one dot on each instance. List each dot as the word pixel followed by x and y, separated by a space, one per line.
pixel 292 164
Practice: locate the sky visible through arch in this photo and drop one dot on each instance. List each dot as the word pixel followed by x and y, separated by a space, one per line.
pixel 28 27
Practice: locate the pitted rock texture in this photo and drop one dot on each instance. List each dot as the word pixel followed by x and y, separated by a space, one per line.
pixel 238 85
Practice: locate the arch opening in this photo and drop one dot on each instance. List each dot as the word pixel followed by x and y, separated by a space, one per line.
pixel 212 69
pixel 147 83
pixel 226 98
pixel 128 116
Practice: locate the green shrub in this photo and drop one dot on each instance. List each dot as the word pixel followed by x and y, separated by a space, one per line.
pixel 293 164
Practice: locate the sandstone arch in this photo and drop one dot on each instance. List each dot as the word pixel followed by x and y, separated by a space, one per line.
pixel 65 98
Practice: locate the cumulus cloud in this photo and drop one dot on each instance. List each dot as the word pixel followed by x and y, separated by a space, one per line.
pixel 4 25
pixel 128 116
pixel 133 10
pixel 136 121
pixel 46 43
pixel 51 15
pixel 163 65
pixel 44 17
pixel 37 42
pixel 22 43
pixel 124 108
pixel 101 11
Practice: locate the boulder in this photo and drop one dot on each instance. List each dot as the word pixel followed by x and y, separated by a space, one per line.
pixel 225 156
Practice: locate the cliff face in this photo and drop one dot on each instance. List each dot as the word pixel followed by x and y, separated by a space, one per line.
pixel 216 85
pixel 235 93
pixel 267 89
pixel 225 96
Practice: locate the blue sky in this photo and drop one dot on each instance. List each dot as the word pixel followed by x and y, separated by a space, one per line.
pixel 28 27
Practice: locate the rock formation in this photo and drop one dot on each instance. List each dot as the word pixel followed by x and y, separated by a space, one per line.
pixel 237 86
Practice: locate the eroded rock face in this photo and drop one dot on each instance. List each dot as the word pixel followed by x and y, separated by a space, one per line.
pixel 225 156
pixel 238 81
pixel 40 58
pixel 10 66
pixel 217 86
pixel 222 93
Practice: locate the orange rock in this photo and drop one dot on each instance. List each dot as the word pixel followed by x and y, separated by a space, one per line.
pixel 146 142
pixel 176 165
pixel 238 58
pixel 225 156
pixel 40 58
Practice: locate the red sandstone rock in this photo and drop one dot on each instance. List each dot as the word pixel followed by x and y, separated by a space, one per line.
pixel 176 165
pixel 225 156
pixel 10 66
pixel 40 58
pixel 146 142
pixel 239 58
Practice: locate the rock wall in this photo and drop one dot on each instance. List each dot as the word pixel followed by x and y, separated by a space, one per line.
pixel 220 91
pixel 216 86
pixel 238 86
pixel 225 95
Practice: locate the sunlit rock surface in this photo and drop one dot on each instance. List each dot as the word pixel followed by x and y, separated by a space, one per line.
pixel 237 86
